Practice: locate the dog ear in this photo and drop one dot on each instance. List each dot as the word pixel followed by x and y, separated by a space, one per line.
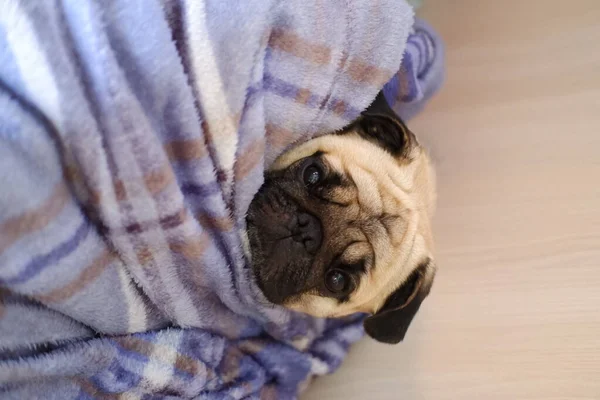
pixel 380 124
pixel 391 322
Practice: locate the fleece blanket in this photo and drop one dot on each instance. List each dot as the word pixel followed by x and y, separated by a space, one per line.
pixel 133 136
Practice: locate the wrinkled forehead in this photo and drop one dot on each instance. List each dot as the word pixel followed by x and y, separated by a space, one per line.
pixel 382 184
pixel 346 147
pixel 348 153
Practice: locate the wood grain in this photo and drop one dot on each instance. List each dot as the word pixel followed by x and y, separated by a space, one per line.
pixel 515 132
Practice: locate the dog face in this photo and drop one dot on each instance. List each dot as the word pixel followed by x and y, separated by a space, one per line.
pixel 342 225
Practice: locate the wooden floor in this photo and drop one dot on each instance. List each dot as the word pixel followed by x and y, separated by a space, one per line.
pixel 515 310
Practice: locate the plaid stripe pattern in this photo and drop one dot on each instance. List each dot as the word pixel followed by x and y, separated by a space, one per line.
pixel 133 136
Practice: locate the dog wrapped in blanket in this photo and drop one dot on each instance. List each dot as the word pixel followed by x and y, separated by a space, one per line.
pixel 134 136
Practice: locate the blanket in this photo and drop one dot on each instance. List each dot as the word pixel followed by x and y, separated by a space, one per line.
pixel 133 136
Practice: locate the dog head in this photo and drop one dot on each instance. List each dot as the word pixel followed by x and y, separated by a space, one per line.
pixel 342 225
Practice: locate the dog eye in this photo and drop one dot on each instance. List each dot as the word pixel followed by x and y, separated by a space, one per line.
pixel 312 175
pixel 337 281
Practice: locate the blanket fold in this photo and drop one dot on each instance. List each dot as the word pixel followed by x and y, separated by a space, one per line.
pixel 133 136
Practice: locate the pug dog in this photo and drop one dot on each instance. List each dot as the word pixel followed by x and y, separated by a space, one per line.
pixel 342 225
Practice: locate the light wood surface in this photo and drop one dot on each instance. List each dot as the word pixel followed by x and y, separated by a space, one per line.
pixel 515 310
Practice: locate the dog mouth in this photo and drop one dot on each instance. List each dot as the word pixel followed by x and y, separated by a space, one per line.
pixel 279 217
pixel 271 212
pixel 283 241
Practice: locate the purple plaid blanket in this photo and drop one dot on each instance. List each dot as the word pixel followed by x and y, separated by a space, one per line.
pixel 133 135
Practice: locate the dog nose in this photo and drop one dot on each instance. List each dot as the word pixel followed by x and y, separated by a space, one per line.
pixel 308 231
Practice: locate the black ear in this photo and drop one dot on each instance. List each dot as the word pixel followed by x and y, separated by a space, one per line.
pixel 379 123
pixel 390 323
